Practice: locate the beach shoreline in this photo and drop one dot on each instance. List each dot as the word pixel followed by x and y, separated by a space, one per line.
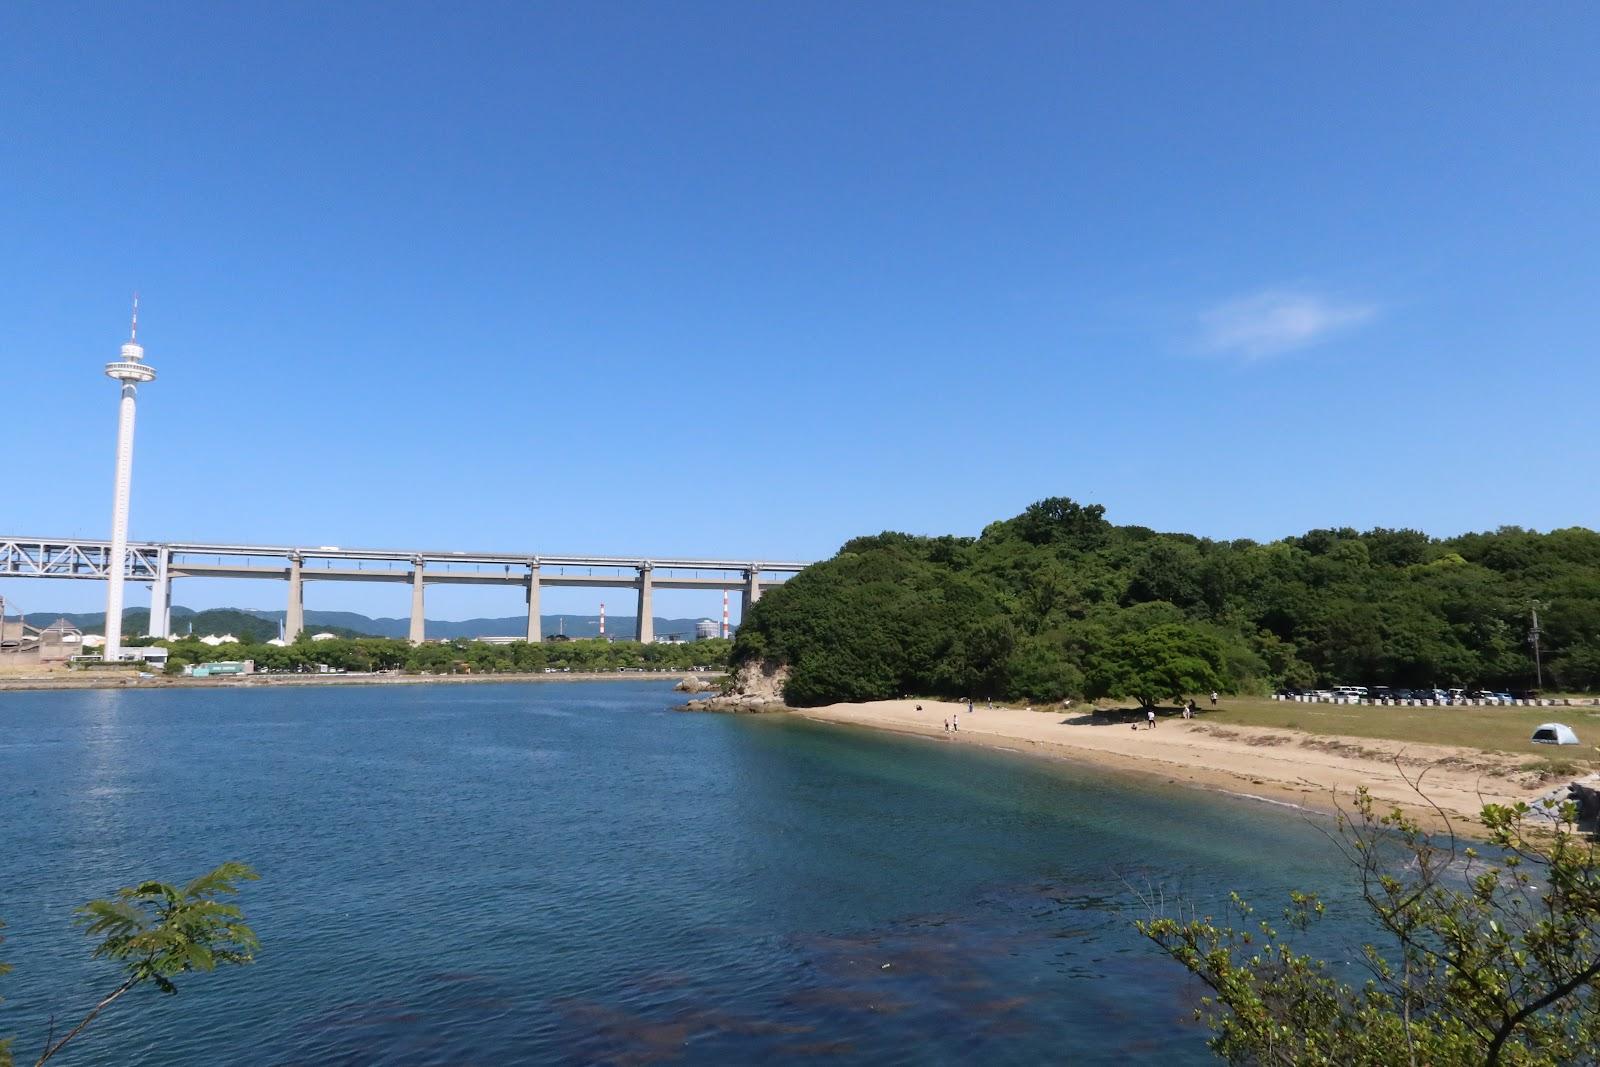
pixel 1313 772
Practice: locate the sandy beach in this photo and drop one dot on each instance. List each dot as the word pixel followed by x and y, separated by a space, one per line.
pixel 1314 771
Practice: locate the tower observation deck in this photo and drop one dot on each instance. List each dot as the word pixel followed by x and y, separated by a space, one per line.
pixel 131 371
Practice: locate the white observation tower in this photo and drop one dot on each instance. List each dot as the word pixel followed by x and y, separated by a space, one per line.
pixel 130 370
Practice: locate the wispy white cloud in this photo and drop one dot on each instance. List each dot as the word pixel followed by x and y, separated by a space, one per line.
pixel 1277 320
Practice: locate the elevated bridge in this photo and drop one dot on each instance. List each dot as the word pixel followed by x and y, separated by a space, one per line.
pixel 161 563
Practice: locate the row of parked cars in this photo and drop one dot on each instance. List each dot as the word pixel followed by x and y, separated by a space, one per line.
pixel 1438 696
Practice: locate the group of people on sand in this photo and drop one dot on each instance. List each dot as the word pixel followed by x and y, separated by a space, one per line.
pixel 1187 711
pixel 952 725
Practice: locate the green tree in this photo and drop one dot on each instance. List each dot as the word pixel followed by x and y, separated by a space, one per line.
pixel 1037 670
pixel 1169 660
pixel 157 931
pixel 1169 571
pixel 1062 521
pixel 976 662
pixel 1489 960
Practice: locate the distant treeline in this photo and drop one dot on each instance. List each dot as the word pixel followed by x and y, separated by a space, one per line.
pixel 1059 602
pixel 452 657
pixel 255 626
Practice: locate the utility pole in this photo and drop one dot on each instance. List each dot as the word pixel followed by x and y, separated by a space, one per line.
pixel 1533 639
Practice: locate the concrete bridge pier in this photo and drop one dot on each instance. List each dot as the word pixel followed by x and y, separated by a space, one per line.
pixel 534 634
pixel 417 635
pixel 161 596
pixel 294 617
pixel 752 593
pixel 647 622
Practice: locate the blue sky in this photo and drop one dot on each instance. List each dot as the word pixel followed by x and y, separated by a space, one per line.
pixel 753 279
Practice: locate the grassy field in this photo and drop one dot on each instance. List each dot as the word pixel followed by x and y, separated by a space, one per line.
pixel 1490 728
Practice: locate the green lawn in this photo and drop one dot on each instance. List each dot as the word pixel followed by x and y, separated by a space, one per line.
pixel 1495 729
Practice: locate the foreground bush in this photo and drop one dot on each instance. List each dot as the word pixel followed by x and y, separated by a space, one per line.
pixel 1488 961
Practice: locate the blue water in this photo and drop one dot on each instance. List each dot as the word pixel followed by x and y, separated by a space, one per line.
pixel 572 872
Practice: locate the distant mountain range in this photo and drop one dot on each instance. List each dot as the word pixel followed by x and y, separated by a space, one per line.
pixel 261 625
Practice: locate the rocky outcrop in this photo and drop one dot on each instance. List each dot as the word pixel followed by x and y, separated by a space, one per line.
pixel 756 688
pixel 695 683
pixel 1584 793
pixel 764 679
pixel 1587 799
pixel 750 705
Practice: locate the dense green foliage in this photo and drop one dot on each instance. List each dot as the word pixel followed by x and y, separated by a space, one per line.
pixel 1485 960
pixel 455 657
pixel 1059 602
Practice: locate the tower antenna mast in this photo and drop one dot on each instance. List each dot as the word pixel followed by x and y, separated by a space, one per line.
pixel 130 371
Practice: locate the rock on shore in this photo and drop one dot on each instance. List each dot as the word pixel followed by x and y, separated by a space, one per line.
pixel 756 688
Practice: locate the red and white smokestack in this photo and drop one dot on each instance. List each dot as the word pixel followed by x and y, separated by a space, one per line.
pixel 602 618
pixel 724 613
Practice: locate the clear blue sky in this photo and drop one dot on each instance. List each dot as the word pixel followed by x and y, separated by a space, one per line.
pixel 754 278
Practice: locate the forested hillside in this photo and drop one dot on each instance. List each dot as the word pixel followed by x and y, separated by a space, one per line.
pixel 1059 602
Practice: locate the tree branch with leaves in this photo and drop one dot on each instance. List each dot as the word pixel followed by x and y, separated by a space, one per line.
pixel 1493 955
pixel 157 931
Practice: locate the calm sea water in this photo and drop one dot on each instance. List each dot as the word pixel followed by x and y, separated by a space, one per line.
pixel 565 873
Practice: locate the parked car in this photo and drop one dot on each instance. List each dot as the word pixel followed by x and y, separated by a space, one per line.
pixel 1380 692
pixel 1436 695
pixel 1402 694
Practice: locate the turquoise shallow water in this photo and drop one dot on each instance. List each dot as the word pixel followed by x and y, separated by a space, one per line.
pixel 567 873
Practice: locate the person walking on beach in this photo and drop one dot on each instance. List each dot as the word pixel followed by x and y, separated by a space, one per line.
pixel 1150 717
pixel 947 726
pixel 969 705
pixel 1213 698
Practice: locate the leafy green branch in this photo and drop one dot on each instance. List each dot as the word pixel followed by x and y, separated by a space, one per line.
pixel 1492 959
pixel 156 932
